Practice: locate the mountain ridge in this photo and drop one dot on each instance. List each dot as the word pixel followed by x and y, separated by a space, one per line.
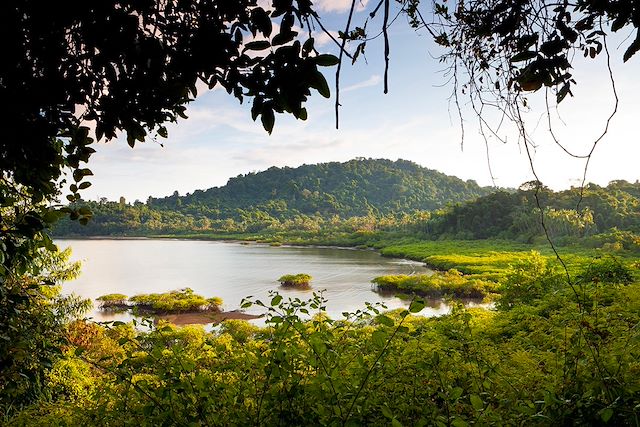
pixel 356 187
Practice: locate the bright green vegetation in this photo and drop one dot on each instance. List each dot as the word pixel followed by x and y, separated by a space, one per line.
pixel 561 346
pixel 296 280
pixel 113 301
pixel 34 317
pixel 549 354
pixel 303 198
pixel 451 283
pixel 179 301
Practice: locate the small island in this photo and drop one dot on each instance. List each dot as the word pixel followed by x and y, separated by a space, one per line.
pixel 300 280
pixel 180 307
pixel 437 285
pixel 179 301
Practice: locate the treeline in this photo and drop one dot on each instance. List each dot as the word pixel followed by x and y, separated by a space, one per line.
pixel 597 215
pixel 526 213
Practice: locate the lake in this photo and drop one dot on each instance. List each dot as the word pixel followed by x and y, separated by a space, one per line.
pixel 232 271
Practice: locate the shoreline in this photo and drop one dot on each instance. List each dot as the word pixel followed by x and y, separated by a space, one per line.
pixel 250 242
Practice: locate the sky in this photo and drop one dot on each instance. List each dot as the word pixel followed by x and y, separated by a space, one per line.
pixel 414 121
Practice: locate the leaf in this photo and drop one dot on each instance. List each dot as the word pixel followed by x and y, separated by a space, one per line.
pixel 326 60
pixel 379 337
pixel 633 48
pixel 319 83
pixel 385 320
pixel 268 119
pixel 396 423
pixel 459 422
pixel 387 412
pixel 276 300
pixel 257 45
pixel 562 93
pixel 476 402
pixel 416 306
pixel 606 414
pixel 456 393
pixel 261 20
pixel 283 38
pixel 308 45
pixel 523 56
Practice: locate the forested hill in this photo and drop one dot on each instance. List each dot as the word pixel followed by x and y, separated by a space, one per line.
pixel 354 188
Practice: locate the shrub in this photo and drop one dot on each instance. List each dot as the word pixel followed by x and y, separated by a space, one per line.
pixel 111 301
pixel 297 280
pixel 180 301
pixel 437 285
pixel 529 280
pixel 607 270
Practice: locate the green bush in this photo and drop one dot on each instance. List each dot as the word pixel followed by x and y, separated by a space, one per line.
pixel 608 270
pixel 437 285
pixel 530 279
pixel 180 301
pixel 296 280
pixel 111 301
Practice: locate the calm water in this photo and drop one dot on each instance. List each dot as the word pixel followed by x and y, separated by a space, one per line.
pixel 232 271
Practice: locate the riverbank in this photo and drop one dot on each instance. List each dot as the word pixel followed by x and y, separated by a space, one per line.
pixel 487 259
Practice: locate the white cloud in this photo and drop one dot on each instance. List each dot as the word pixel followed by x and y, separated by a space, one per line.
pixel 371 81
pixel 339 6
pixel 321 38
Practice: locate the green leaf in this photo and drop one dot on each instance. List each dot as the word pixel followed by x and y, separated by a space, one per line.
pixel 387 412
pixel 396 423
pixel 459 422
pixel 276 300
pixel 606 414
pixel 416 306
pixel 379 337
pixel 476 402
pixel 326 60
pixel 456 393
pixel 385 320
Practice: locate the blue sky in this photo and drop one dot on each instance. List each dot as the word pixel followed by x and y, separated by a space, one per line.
pixel 414 122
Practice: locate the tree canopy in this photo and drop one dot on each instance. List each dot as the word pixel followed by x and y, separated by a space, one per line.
pixel 132 67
